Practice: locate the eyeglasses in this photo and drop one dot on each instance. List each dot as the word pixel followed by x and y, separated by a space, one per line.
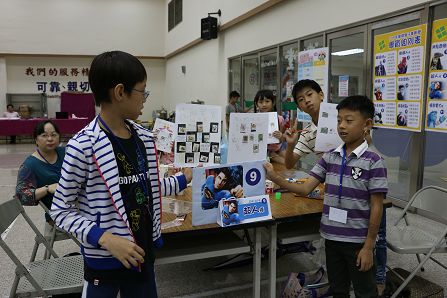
pixel 145 92
pixel 47 136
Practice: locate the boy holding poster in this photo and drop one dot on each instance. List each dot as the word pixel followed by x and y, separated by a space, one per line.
pixel 356 183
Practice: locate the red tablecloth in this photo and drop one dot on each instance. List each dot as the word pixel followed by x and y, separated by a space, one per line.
pixel 18 127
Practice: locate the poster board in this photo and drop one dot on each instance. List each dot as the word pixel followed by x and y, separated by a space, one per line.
pixel 327 135
pixel 165 132
pixel 436 111
pixel 398 78
pixel 247 139
pixel 198 135
pixel 314 65
pixel 214 183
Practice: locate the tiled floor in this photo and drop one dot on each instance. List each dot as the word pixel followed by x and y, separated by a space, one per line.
pixel 188 279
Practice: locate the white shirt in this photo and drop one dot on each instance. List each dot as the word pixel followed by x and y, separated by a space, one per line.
pixel 11 115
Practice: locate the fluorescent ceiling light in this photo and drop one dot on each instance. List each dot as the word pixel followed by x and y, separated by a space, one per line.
pixel 348 52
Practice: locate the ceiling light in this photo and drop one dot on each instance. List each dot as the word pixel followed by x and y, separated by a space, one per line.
pixel 348 52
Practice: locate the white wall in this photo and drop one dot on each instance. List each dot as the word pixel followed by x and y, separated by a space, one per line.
pixel 285 21
pixel 3 85
pixel 195 10
pixel 18 82
pixel 82 26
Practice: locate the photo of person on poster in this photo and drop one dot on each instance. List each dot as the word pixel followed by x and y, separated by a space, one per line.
pixel 230 213
pixel 221 183
pixel 436 90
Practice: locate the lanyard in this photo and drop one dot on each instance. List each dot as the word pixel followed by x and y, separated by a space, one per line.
pixel 342 171
pixel 140 158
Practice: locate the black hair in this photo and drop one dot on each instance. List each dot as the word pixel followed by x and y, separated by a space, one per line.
pixel 265 93
pixel 359 103
pixel 234 93
pixel 9 105
pixel 235 204
pixel 226 172
pixel 300 85
pixel 112 68
pixel 40 128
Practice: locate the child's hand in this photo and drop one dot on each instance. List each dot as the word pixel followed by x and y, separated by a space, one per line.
pixel 268 168
pixel 237 192
pixel 277 134
pixel 291 134
pixel 127 252
pixel 365 259
pixel 188 174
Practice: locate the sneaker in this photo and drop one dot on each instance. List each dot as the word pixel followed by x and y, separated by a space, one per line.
pixel 311 278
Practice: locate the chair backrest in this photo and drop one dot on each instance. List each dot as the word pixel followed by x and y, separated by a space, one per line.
pixel 431 202
pixel 8 213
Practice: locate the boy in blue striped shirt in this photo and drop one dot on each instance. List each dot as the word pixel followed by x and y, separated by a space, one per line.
pixel 355 185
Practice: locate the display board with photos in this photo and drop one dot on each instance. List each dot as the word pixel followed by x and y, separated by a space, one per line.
pixel 198 135
pixel 436 111
pixel 165 135
pixel 398 78
pixel 314 65
pixel 212 184
pixel 247 140
pixel 244 210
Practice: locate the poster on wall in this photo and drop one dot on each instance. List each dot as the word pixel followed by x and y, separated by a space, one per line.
pixel 212 184
pixel 398 78
pixel 248 137
pixel 343 86
pixel 436 117
pixel 314 65
pixel 198 134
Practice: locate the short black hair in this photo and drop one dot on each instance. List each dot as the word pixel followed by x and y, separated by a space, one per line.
pixel 234 93
pixel 265 93
pixel 112 68
pixel 10 105
pixel 235 205
pixel 359 103
pixel 226 172
pixel 301 84
pixel 40 128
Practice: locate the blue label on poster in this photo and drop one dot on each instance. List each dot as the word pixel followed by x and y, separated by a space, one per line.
pixel 254 210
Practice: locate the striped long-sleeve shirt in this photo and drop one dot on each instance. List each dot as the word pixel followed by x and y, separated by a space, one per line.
pixel 88 201
pixel 363 174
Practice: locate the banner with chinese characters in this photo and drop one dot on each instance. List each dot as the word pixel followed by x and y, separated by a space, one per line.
pixel 244 210
pixel 314 65
pixel 437 85
pixel 54 80
pixel 398 78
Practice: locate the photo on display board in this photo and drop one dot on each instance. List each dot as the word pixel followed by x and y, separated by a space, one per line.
pixel 214 147
pixel 181 129
pixel 253 127
pixel 204 157
pixel 379 70
pixel 195 147
pixel 216 157
pixel 438 60
pixel 402 92
pixel 255 148
pixel 181 146
pixel 402 66
pixel 230 215
pixel 189 157
pixel 402 118
pixel 214 127
pixel 435 119
pixel 243 128
pixel 205 138
pixel 378 90
pixel 221 183
pixel 190 136
pixel 437 89
pixel 199 126
pixel 244 139
pixel 378 117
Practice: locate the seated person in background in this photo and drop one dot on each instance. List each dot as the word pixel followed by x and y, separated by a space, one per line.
pixel 216 188
pixel 40 172
pixel 10 113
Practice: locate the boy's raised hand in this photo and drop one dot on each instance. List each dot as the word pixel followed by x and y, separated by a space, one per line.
pixel 127 252
pixel 291 134
pixel 268 169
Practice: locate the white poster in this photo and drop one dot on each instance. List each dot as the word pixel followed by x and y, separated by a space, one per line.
pixel 327 135
pixel 198 134
pixel 247 139
pixel 314 65
pixel 165 132
pixel 273 126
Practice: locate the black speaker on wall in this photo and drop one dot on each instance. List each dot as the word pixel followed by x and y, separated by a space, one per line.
pixel 209 28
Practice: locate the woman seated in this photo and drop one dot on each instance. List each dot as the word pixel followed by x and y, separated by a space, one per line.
pixel 40 172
